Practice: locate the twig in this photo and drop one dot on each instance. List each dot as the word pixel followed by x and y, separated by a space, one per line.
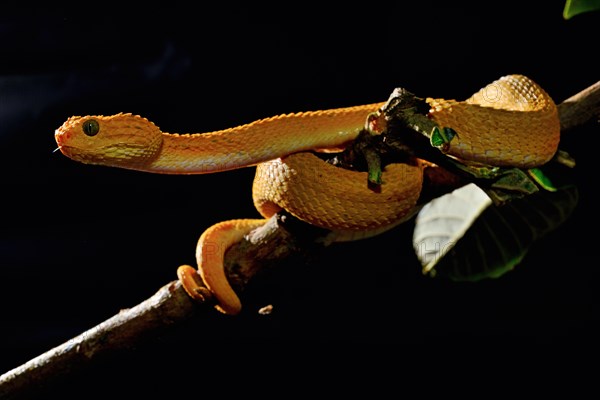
pixel 279 239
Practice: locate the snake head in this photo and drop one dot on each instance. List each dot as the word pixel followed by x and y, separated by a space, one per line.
pixel 121 140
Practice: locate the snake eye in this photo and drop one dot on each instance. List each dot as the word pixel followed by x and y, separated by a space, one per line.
pixel 91 127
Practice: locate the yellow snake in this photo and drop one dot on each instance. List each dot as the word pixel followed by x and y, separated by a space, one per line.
pixel 511 122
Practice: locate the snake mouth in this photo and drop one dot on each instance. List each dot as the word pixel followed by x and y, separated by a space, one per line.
pixel 73 153
pixel 59 137
pixel 67 151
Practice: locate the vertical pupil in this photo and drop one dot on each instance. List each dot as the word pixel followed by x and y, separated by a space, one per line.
pixel 91 127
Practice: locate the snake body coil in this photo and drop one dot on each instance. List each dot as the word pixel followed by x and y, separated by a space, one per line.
pixel 511 122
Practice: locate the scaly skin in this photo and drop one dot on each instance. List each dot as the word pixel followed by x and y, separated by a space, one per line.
pixel 132 142
pixel 512 122
pixel 520 128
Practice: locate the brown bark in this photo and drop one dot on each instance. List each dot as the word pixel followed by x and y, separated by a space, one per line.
pixel 580 108
pixel 168 306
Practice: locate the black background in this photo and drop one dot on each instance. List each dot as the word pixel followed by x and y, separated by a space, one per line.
pixel 78 242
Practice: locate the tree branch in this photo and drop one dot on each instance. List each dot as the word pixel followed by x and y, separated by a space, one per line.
pixel 282 237
pixel 169 305
pixel 580 108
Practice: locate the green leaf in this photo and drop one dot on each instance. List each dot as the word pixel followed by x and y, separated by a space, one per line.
pixel 542 179
pixel 441 137
pixel 576 7
pixel 443 221
pixel 515 179
pixel 495 241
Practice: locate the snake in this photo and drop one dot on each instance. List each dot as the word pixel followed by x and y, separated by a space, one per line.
pixel 510 122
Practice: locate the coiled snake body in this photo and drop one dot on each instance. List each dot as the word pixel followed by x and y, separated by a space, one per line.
pixel 511 122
